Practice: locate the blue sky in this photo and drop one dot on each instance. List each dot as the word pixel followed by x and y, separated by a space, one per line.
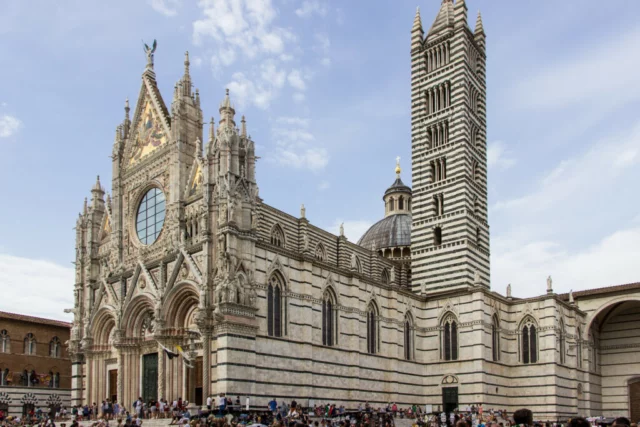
pixel 325 89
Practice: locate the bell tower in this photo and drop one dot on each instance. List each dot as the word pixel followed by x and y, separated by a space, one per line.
pixel 450 232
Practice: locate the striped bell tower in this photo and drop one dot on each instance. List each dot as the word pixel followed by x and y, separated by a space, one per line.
pixel 450 232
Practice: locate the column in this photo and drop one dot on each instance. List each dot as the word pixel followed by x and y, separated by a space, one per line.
pixel 161 373
pixel 120 382
pixel 206 366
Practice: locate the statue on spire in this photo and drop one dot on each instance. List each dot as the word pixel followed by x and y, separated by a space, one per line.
pixel 149 51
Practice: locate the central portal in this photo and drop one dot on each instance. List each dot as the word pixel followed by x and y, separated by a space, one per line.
pixel 150 377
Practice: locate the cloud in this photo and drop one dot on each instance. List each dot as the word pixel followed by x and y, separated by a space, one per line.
pixel 576 179
pixel 611 261
pixel 295 145
pixel 244 26
pixel 353 229
pixel 498 156
pixel 35 287
pixel 323 45
pixel 296 80
pixel 311 7
pixel 245 92
pixel 583 78
pixel 324 185
pixel 9 125
pixel 165 7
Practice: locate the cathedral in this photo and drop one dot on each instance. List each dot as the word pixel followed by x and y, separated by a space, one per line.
pixel 183 253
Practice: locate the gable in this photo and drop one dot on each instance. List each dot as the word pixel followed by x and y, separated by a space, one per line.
pixel 196 181
pixel 149 133
pixel 106 226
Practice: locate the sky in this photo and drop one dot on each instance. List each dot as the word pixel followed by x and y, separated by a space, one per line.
pixel 325 89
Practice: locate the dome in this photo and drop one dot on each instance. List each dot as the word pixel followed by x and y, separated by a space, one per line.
pixel 392 231
pixel 398 187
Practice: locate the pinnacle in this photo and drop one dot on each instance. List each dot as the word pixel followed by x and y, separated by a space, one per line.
pixel 417 21
pixel 479 27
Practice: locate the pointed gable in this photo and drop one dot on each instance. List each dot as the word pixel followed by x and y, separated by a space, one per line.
pixel 106 226
pixel 150 128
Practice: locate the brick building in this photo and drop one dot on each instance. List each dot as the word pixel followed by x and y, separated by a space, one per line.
pixel 35 369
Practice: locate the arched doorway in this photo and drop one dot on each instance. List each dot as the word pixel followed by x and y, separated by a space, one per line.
pixel 613 358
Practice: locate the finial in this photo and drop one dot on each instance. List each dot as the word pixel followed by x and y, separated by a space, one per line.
pixel 398 169
pixel 244 127
pixel 126 106
pixel 227 90
pixel 84 207
pixel 571 299
pixel 186 62
pixel 509 291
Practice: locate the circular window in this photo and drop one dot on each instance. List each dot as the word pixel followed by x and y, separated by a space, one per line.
pixel 150 216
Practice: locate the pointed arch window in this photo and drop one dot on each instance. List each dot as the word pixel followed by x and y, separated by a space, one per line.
pixel 529 341
pixel 275 319
pixel 277 236
pixel 372 328
pixel 495 338
pixel 561 343
pixel 320 254
pixel 408 338
pixel 29 344
pixel 329 319
pixel 385 277
pixel 358 265
pixel 450 337
pixel 54 347
pixel 5 341
pixel 578 347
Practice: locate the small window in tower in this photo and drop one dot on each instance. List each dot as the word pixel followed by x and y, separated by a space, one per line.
pixel 409 204
pixel 401 203
pixel 437 236
pixel 391 204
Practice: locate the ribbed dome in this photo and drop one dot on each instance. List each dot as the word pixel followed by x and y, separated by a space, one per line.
pixel 398 187
pixel 392 231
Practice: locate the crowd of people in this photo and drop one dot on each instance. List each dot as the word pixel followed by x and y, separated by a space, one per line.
pixel 222 411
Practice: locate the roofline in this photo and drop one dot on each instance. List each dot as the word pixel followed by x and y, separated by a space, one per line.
pixel 34 319
pixel 599 291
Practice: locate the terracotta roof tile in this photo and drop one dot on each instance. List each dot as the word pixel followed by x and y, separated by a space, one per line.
pixel 33 319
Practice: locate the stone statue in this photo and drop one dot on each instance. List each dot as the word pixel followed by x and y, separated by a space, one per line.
pixel 509 290
pixel 476 277
pixel 571 300
pixel 232 293
pixel 232 210
pixel 392 278
pixel 253 295
pixel 150 51
pixel 305 241
pixel 225 291
pixel 342 229
pixel 549 285
pixel 354 265
pixel 303 211
pixel 203 297
pixel 223 214
pixel 254 219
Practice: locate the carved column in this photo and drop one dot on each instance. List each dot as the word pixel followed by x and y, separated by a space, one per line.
pixel 206 365
pixel 161 375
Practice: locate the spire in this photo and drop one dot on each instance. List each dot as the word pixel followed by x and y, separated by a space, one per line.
pixel 97 187
pixel 243 127
pixel 85 209
pixel 185 82
pixel 444 19
pixel 460 14
pixel 417 21
pixel 479 28
pixel 398 169
pixel 227 112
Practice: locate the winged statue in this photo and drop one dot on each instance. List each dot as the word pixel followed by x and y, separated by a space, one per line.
pixel 149 51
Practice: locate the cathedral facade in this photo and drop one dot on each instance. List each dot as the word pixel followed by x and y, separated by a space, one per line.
pixel 184 252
